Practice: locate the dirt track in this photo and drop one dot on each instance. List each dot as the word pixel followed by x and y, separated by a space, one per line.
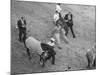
pixel 39 17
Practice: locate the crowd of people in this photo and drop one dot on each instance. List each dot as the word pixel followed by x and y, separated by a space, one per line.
pixel 62 25
pixel 68 18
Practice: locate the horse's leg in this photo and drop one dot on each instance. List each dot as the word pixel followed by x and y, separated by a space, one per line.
pixel 24 36
pixel 42 59
pixel 94 62
pixel 66 30
pixel 88 60
pixel 53 59
pixel 57 35
pixel 28 52
pixel 63 36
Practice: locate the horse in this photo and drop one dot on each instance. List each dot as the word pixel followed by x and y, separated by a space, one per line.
pixel 91 57
pixel 44 50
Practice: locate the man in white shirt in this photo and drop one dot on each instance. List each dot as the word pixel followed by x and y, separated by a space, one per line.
pixel 58 8
pixel 56 17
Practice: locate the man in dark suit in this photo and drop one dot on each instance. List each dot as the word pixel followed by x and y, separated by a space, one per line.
pixel 69 21
pixel 21 25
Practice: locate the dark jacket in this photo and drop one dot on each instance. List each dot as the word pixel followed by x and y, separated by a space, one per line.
pixel 48 48
pixel 19 24
pixel 66 17
pixel 70 22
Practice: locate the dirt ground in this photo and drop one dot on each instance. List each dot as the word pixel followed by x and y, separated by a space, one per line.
pixel 39 17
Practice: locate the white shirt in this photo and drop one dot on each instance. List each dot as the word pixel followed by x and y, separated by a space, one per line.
pixel 56 17
pixel 23 25
pixel 58 8
pixel 51 44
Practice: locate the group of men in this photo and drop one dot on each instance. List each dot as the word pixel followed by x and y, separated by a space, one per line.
pixel 68 18
pixel 21 23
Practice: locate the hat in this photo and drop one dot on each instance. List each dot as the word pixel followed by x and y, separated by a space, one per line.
pixel 58 3
pixel 52 39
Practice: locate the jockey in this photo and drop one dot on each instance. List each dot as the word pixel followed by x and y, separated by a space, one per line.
pixel 48 48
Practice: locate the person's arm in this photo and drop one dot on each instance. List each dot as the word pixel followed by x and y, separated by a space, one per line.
pixel 17 24
pixel 25 22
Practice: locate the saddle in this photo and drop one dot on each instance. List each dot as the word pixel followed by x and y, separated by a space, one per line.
pixel 47 48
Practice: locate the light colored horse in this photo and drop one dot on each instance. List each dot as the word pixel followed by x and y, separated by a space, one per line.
pixel 91 57
pixel 33 45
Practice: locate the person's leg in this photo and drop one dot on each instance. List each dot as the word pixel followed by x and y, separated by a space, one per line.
pixel 24 35
pixel 57 35
pixel 71 28
pixel 63 37
pixel 66 29
pixel 28 52
pixel 20 35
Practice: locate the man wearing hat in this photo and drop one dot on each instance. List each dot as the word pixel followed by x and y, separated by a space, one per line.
pixel 58 8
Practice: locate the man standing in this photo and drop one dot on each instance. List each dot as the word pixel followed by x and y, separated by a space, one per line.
pixel 56 18
pixel 58 9
pixel 69 21
pixel 21 25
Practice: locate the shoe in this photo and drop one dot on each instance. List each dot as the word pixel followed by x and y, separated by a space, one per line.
pixel 74 37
